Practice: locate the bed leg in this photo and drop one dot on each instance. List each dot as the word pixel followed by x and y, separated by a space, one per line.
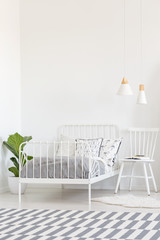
pixel 19 194
pixel 119 177
pixel 89 195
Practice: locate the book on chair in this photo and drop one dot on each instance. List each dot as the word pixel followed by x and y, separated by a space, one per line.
pixel 138 157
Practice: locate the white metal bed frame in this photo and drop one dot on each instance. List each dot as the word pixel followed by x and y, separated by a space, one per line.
pixel 108 131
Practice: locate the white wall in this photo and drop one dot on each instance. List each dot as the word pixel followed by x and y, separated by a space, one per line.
pixel 9 78
pixel 72 64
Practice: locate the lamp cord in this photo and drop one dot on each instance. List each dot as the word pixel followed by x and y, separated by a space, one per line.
pixel 141 38
pixel 124 37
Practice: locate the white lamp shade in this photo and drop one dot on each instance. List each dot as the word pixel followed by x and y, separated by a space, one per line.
pixel 141 99
pixel 125 88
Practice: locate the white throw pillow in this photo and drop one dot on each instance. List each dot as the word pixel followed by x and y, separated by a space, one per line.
pixel 67 143
pixel 88 147
pixel 109 150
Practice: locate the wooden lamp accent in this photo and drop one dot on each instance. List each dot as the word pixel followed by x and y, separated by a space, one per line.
pixel 141 87
pixel 124 81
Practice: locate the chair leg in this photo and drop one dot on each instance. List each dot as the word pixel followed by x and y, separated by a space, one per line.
pixel 119 177
pixel 89 195
pixel 153 179
pixel 146 178
pixel 131 179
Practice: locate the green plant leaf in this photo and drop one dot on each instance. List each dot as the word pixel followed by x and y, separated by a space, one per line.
pixel 11 149
pixel 26 139
pixel 29 157
pixel 15 141
pixel 23 158
pixel 14 170
pixel 15 162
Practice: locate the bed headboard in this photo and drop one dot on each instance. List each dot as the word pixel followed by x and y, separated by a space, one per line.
pixel 108 131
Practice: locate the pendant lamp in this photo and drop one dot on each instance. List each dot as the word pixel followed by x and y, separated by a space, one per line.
pixel 125 88
pixel 141 99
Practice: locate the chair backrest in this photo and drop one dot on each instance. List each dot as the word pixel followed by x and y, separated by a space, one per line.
pixel 89 131
pixel 143 141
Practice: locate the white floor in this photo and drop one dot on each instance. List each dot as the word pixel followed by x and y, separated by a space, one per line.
pixel 49 198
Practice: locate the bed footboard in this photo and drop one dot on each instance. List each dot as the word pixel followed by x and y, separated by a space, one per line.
pixel 55 162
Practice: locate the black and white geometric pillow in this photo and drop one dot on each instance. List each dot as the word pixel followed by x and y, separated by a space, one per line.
pixel 109 150
pixel 88 147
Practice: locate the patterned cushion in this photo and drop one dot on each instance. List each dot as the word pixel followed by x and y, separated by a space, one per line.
pixel 88 147
pixel 109 150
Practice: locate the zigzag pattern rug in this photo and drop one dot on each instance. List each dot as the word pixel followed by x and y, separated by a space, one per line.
pixel 31 224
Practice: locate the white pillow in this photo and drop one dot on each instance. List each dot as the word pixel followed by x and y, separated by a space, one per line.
pixel 109 150
pixel 63 148
pixel 85 147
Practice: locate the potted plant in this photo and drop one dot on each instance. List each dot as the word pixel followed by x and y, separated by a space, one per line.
pixel 13 143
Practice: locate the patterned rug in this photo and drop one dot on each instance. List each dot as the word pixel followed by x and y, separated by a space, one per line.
pixel 31 224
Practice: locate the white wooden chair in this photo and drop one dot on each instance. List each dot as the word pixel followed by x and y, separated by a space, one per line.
pixel 142 142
